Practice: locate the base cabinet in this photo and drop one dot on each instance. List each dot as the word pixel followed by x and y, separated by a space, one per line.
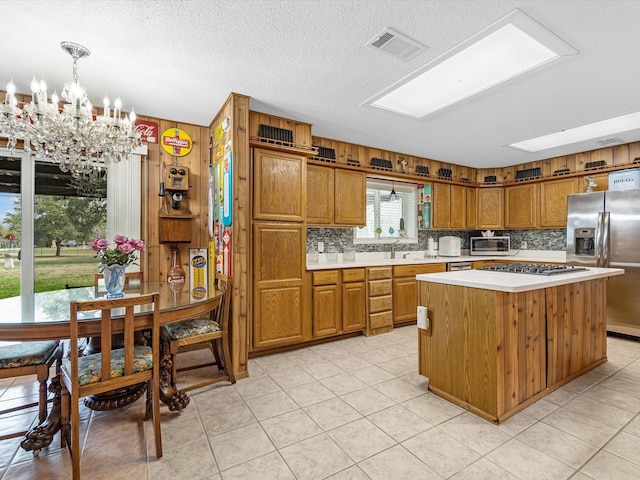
pixel 354 300
pixel 379 300
pixel 494 353
pixel 405 290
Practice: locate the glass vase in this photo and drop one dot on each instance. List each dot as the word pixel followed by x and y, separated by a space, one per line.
pixel 114 277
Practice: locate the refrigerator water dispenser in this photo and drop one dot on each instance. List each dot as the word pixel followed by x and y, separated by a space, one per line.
pixel 585 241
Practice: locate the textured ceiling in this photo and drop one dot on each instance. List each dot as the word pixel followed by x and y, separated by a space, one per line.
pixel 307 60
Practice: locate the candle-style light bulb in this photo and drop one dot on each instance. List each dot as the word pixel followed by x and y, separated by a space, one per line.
pixel 132 120
pixel 105 105
pixel 43 91
pixel 54 98
pixel 89 107
pixel 35 88
pixel 117 105
pixel 11 88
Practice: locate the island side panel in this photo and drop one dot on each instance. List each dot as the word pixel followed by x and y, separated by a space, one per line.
pixel 576 330
pixel 522 351
pixel 459 356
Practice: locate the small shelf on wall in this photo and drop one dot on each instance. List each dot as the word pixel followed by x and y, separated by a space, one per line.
pixel 175 228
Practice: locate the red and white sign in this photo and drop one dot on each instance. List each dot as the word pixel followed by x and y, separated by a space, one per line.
pixel 148 131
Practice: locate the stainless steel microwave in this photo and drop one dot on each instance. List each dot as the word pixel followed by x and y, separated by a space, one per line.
pixel 490 246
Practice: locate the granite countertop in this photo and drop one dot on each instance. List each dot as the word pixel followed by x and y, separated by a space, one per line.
pixel 515 282
pixel 418 257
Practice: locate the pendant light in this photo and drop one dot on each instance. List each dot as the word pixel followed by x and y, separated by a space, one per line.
pixel 393 195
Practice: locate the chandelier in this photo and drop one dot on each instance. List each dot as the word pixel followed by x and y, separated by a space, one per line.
pixel 69 135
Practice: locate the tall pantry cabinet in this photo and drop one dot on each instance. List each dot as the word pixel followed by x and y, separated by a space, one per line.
pixel 279 242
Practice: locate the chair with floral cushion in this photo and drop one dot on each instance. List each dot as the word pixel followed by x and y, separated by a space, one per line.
pixel 110 369
pixel 211 332
pixel 29 358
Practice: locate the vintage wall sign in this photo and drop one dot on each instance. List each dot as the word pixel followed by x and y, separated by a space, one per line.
pixel 148 131
pixel 176 142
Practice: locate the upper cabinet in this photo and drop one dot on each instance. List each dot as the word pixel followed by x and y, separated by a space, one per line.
pixel 279 186
pixel 449 206
pixel 472 208
pixel 490 208
pixel 336 196
pixel 521 206
pixel 553 201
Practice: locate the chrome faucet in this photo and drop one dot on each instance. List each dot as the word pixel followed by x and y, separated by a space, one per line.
pixel 393 249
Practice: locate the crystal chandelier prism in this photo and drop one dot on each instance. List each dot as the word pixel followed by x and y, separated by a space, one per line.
pixel 69 135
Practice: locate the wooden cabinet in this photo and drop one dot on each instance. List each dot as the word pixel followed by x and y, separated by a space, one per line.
pixel 278 288
pixel 553 201
pixel 472 208
pixel 490 208
pixel 405 289
pixel 351 198
pixel 449 206
pixel 379 300
pixel 354 300
pixel 336 196
pixel 521 206
pixel 279 181
pixel 320 195
pixel 327 313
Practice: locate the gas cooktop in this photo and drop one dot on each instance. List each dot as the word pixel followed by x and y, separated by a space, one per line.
pixel 532 268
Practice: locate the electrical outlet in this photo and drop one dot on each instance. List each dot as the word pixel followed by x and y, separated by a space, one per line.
pixel 320 247
pixel 523 246
pixel 423 319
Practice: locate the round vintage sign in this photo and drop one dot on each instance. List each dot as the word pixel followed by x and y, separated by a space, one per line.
pixel 176 142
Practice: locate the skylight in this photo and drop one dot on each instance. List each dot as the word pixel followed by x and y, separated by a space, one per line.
pixel 513 45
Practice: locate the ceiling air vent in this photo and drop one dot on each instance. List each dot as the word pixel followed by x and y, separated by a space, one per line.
pixel 610 141
pixel 397 45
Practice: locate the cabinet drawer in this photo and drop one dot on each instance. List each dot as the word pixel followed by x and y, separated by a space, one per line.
pixel 326 277
pixel 380 287
pixel 378 320
pixel 353 275
pixel 380 304
pixel 411 270
pixel 379 272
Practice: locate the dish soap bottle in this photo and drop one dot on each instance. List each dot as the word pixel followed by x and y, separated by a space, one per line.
pixel 176 275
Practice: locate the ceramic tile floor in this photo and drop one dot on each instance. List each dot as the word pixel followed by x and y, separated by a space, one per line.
pixel 353 409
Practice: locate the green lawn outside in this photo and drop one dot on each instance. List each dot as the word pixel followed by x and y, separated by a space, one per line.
pixel 74 267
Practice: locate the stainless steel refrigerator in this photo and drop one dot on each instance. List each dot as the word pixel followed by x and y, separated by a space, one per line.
pixel 603 230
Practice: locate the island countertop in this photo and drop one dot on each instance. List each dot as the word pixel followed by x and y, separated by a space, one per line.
pixel 515 282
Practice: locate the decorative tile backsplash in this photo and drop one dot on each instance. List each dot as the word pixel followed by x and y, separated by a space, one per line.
pixel 336 239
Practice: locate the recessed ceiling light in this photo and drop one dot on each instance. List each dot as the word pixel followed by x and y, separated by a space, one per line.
pixel 505 49
pixel 603 128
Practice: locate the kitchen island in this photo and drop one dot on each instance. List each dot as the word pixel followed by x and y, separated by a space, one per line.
pixel 496 342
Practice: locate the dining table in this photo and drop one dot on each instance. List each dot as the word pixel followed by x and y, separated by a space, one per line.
pixel 50 321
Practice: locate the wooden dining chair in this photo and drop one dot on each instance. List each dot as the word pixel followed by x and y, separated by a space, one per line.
pixel 110 369
pixel 211 332
pixel 131 280
pixel 29 358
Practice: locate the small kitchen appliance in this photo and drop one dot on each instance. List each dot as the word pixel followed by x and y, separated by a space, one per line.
pixel 449 246
pixel 490 246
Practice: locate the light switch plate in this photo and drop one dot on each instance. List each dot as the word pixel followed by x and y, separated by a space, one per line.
pixel 423 319
pixel 320 247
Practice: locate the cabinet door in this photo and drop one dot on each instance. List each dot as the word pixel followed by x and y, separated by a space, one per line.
pixel 278 307
pixel 279 186
pixel 553 201
pixel 521 206
pixel 458 207
pixel 327 314
pixel 405 299
pixel 441 206
pixel 351 197
pixel 490 208
pixel 354 304
pixel 320 195
pixel 472 208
